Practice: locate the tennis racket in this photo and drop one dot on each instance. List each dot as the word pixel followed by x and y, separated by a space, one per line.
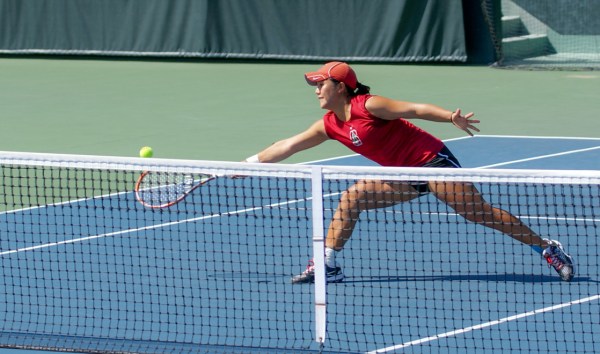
pixel 164 189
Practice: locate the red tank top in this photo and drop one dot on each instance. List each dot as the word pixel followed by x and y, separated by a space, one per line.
pixel 395 142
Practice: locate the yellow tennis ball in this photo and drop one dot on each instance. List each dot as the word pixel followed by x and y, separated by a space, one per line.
pixel 146 151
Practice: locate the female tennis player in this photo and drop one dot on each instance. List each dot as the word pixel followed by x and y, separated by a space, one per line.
pixel 378 128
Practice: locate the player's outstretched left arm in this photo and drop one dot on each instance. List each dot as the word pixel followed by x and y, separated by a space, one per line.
pixel 386 108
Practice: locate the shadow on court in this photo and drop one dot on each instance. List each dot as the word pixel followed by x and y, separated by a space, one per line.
pixel 515 278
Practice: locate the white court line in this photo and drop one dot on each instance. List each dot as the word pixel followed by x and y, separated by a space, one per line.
pixel 534 137
pixel 355 155
pixel 484 325
pixel 151 227
pixel 541 157
pixel 528 217
pixel 66 202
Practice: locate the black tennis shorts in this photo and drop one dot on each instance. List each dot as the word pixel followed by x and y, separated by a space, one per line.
pixel 444 158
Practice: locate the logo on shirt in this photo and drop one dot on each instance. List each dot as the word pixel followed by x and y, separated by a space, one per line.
pixel 354 137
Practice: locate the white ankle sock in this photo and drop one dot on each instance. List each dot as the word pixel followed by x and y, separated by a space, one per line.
pixel 330 257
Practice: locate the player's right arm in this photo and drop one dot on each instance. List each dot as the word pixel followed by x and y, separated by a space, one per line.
pixel 285 148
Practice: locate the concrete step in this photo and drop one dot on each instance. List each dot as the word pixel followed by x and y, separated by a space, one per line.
pixel 527 46
pixel 512 26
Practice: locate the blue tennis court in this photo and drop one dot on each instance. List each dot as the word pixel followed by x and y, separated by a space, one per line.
pixel 451 297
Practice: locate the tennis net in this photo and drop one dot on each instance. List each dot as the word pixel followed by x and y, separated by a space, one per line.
pixel 85 267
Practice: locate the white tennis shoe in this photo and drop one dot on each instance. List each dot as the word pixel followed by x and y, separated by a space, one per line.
pixel 558 259
pixel 333 275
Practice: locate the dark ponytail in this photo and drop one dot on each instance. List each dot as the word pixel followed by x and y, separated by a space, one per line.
pixel 361 89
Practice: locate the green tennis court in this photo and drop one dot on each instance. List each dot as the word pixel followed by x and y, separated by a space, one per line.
pixel 228 111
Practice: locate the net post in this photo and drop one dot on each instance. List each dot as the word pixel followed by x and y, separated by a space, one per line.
pixel 319 253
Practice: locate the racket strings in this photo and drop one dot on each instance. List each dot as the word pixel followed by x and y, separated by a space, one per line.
pixel 157 188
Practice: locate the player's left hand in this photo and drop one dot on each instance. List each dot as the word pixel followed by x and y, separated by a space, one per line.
pixel 464 122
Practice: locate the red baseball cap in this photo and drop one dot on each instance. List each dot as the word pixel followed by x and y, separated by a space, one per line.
pixel 336 70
